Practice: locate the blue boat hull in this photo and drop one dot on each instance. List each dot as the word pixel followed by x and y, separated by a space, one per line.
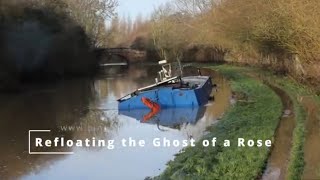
pixel 170 97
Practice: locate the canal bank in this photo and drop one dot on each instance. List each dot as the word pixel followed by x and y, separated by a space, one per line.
pixel 256 114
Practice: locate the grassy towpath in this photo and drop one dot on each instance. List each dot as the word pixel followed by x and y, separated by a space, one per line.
pixel 255 116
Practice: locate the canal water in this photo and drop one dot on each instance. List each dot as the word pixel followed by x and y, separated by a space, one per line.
pixel 85 108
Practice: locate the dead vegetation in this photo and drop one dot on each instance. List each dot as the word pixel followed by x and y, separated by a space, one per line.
pixel 283 35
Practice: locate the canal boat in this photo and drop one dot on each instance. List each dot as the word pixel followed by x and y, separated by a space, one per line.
pixel 169 92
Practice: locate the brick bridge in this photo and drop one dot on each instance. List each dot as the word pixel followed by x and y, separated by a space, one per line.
pixel 126 55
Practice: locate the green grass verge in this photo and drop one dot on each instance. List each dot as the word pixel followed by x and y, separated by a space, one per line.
pixel 255 117
pixel 295 91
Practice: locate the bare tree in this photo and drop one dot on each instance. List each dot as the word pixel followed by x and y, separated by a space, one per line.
pixel 170 35
pixel 92 14
pixel 194 7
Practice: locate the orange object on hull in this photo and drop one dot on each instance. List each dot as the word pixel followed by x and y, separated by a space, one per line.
pixel 155 108
pixel 150 104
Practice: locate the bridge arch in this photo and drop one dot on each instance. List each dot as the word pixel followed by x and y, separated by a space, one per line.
pixel 127 54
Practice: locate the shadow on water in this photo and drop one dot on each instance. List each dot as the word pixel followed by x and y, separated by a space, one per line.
pixel 83 108
pixel 172 117
pixel 43 108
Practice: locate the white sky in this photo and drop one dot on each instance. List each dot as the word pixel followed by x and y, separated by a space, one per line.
pixel 136 7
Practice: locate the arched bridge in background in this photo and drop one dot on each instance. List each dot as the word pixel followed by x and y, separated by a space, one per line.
pixel 125 56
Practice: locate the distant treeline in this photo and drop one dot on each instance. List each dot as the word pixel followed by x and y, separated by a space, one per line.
pixel 280 34
pixel 49 39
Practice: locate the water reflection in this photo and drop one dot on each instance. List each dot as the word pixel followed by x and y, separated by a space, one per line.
pixel 45 107
pixel 172 117
pixel 80 109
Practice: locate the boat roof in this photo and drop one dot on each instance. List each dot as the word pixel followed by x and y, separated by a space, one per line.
pixel 199 81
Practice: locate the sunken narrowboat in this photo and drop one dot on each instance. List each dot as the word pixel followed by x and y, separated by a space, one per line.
pixel 169 92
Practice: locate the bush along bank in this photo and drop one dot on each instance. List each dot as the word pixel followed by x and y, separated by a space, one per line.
pixel 255 116
pixel 42 43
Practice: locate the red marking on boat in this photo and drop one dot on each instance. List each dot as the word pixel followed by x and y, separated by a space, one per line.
pixel 150 104
pixel 154 107
pixel 149 116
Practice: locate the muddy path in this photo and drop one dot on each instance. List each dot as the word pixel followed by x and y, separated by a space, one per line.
pixel 312 138
pixel 278 161
pixel 280 153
